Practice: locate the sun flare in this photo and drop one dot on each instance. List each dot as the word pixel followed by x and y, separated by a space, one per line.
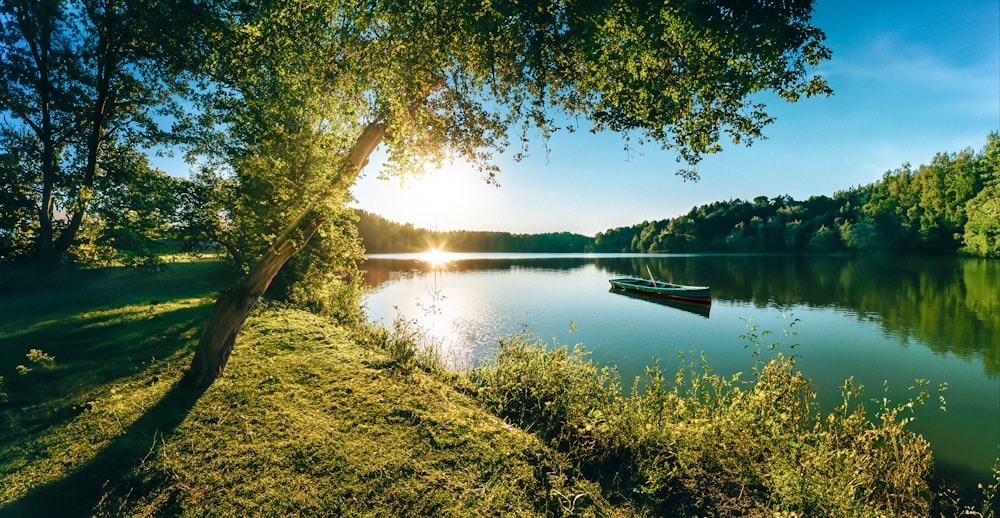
pixel 436 256
pixel 450 198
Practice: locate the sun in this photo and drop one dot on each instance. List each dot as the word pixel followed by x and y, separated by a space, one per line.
pixel 436 256
pixel 456 196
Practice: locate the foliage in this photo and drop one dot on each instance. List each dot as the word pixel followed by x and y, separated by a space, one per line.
pixel 708 445
pixel 982 231
pixel 16 207
pixel 383 236
pixel 557 393
pixel 81 80
pixel 933 208
pixel 137 213
pixel 407 344
pixel 990 505
pixel 324 276
pixel 39 358
pixel 137 208
pixel 200 213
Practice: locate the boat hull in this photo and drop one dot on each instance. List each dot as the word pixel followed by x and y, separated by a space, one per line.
pixel 664 290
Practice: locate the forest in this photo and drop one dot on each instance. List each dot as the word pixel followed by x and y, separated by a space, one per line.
pixel 383 236
pixel 950 205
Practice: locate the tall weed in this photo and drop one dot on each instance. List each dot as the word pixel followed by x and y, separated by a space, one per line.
pixel 408 345
pixel 705 444
pixel 558 392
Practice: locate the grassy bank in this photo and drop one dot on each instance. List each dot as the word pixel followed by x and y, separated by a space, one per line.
pixel 313 419
pixel 306 422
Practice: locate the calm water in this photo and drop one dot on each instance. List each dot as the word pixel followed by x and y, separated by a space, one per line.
pixel 884 321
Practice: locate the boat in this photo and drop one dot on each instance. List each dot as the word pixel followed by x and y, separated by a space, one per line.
pixel 663 290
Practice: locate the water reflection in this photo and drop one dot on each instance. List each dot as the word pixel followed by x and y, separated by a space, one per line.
pixel 889 320
pixel 950 305
pixel 697 309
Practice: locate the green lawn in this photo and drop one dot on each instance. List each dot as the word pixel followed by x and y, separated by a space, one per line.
pixel 306 422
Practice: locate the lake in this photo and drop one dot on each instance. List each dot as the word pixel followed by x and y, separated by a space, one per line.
pixel 886 321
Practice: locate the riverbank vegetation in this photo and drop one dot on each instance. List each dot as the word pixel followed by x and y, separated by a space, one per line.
pixel 705 445
pixel 317 418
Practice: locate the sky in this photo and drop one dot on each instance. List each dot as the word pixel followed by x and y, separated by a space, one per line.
pixel 911 79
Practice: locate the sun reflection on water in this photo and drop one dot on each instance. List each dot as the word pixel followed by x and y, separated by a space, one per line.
pixel 436 256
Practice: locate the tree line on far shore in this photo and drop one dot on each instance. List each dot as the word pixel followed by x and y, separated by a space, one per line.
pixel 383 236
pixel 949 205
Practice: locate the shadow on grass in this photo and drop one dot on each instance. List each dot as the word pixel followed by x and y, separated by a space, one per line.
pixel 91 352
pixel 101 326
pixel 80 492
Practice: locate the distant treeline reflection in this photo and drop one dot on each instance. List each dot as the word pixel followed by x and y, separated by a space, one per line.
pixel 949 304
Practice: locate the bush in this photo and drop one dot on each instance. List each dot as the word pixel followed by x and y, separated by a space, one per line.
pixel 39 358
pixel 711 445
pixel 558 393
pixel 407 344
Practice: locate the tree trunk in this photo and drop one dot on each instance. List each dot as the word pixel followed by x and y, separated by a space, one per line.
pixel 46 134
pixel 107 67
pixel 231 311
pixel 234 304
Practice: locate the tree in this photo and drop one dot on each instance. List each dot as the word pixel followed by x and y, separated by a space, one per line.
pixel 136 208
pixel 16 208
pixel 78 77
pixel 199 218
pixel 311 88
pixel 982 231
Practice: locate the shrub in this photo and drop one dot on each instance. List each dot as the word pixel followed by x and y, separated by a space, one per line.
pixel 711 445
pixel 558 393
pixel 39 358
pixel 407 344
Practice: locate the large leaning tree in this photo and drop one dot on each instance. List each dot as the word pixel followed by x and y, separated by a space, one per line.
pixel 302 92
pixel 82 82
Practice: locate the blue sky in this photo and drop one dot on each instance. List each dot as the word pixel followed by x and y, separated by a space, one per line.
pixel 911 79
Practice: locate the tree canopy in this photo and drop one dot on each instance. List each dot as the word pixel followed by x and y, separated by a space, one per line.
pixel 938 207
pixel 81 82
pixel 302 92
pixel 288 99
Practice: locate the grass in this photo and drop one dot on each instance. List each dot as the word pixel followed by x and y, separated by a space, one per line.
pixel 313 419
pixel 306 422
